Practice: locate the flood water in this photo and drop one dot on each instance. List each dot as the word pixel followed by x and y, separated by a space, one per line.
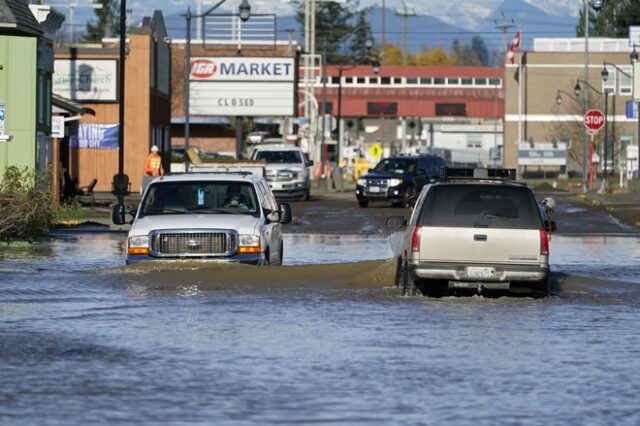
pixel 325 339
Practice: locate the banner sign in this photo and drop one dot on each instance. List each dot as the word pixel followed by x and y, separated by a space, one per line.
pixel 95 136
pixel 86 79
pixel 542 154
pixel 57 126
pixel 242 86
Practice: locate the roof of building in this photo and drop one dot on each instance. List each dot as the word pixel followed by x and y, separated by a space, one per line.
pixel 68 105
pixel 416 71
pixel 16 19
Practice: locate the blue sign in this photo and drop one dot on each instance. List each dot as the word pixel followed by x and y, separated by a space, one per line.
pixel 95 136
pixel 632 109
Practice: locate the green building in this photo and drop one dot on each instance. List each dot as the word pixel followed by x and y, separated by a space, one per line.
pixel 26 66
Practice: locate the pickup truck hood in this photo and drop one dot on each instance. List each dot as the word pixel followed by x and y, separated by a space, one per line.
pixel 286 166
pixel 244 224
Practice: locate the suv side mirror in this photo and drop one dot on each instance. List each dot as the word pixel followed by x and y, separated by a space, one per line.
pixel 396 222
pixel 550 226
pixel 412 201
pixel 285 213
pixel 309 163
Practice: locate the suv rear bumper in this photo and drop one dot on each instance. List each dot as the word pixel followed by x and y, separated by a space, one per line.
pixel 456 272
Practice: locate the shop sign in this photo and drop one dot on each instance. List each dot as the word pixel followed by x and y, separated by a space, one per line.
pixel 242 86
pixel 57 126
pixel 86 79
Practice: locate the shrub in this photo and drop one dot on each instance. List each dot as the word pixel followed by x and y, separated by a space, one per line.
pixel 25 204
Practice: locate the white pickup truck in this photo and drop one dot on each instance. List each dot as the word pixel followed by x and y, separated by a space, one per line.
pixel 287 170
pixel 217 216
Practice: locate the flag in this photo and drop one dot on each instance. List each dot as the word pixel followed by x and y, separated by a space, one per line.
pixel 513 48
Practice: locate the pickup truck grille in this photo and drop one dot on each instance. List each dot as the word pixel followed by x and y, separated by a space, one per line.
pixel 193 244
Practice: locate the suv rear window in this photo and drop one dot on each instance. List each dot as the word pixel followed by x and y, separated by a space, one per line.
pixel 481 206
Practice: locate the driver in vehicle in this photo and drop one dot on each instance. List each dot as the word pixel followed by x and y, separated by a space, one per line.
pixel 235 198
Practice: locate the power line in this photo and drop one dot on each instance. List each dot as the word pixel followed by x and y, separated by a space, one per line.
pixel 405 28
pixel 505 26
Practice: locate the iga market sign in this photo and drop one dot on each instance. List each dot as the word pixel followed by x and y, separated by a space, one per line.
pixel 95 136
pixel 86 79
pixel 242 86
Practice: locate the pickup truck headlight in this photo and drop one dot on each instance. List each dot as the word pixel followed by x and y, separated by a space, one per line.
pixel 249 244
pixel 138 245
pixel 362 182
pixel 395 182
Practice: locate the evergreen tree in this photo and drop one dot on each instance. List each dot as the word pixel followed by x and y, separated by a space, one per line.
pixel 613 20
pixel 334 23
pixel 479 48
pixel 105 23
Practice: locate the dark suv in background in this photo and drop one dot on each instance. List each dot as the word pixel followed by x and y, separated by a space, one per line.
pixel 398 178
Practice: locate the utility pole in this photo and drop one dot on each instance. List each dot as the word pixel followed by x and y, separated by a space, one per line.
pixel 384 10
pixel 405 29
pixel 505 26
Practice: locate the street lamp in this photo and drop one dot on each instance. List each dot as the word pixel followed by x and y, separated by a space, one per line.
pixel 244 11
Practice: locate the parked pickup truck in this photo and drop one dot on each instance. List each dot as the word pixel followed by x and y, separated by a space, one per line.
pixel 217 216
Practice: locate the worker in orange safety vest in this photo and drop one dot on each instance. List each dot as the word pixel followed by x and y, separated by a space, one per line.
pixel 153 163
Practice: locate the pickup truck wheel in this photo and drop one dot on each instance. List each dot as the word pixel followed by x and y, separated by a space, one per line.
pixel 265 261
pixel 363 204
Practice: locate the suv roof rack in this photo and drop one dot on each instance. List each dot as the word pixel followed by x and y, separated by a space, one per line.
pixel 232 172
pixel 478 173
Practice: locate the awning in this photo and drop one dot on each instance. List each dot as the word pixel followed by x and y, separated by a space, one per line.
pixel 61 105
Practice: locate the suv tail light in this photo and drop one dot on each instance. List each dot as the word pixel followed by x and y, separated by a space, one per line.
pixel 544 242
pixel 415 238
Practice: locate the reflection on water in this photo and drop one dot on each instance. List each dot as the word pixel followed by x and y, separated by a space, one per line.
pixel 323 339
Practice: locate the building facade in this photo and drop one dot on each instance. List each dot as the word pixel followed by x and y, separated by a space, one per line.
pixel 89 74
pixel 544 113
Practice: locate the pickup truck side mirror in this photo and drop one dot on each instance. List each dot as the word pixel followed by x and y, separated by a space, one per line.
pixel 118 214
pixel 285 213
pixel 309 163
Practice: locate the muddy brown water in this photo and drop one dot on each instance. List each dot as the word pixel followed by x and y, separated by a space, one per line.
pixel 324 339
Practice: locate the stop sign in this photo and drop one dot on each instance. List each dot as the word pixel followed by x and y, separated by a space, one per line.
pixel 594 120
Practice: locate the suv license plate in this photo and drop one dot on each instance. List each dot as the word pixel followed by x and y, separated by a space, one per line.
pixel 374 189
pixel 479 272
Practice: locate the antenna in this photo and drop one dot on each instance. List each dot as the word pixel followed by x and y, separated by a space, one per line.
pixel 405 28
pixel 505 26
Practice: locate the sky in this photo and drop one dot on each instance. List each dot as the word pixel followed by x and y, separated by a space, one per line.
pixel 446 10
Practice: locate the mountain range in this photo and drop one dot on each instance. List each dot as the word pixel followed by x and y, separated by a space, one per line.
pixel 458 20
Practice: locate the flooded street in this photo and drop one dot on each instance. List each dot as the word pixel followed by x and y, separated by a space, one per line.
pixel 324 339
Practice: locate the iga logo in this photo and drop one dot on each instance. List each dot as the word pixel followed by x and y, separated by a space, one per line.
pixel 203 68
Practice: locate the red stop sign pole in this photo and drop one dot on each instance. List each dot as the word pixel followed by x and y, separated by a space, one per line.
pixel 594 120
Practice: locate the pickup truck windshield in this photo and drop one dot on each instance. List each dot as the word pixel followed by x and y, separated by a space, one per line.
pixel 397 166
pixel 200 197
pixel 279 157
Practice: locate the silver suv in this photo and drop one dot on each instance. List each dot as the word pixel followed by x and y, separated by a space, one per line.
pixel 230 217
pixel 475 231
